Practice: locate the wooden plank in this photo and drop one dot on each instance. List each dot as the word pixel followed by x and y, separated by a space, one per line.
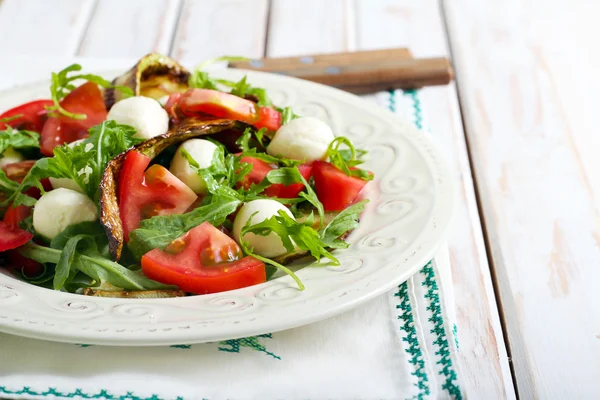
pixel 309 27
pixel 46 28
pixel 526 73
pixel 209 28
pixel 130 28
pixel 417 25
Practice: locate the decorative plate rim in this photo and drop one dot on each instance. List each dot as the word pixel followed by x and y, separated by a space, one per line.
pixel 30 311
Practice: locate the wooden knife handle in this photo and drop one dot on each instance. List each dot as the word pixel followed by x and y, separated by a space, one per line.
pixel 360 72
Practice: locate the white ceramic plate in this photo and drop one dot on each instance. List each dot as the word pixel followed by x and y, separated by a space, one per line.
pixel 412 201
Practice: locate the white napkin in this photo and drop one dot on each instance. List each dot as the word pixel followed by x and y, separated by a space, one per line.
pixel 401 345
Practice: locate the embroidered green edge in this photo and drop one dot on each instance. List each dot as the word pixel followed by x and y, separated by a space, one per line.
pixel 103 394
pixel 451 378
pixel 408 326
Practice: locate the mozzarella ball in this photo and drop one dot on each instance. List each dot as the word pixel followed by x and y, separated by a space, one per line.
pixel 143 113
pixel 202 151
pixel 305 139
pixel 266 246
pixel 66 182
pixel 60 208
pixel 10 156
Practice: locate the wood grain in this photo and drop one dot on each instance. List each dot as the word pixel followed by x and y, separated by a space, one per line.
pixel 209 29
pixel 529 98
pixel 45 28
pixel 130 28
pixel 357 73
pixel 417 25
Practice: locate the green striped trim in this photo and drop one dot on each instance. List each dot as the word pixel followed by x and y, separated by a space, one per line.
pixel 78 393
pixel 418 112
pixel 408 327
pixel 450 384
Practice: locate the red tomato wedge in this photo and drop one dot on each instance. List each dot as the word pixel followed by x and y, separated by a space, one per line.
pixel 146 193
pixel 335 189
pixel 11 238
pixel 12 218
pixel 225 105
pixel 291 191
pixel 33 116
pixel 14 215
pixel 203 261
pixel 86 99
pixel 260 169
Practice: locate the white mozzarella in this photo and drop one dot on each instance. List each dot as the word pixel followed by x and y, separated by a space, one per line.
pixel 66 182
pixel 202 151
pixel 60 208
pixel 163 100
pixel 305 139
pixel 10 156
pixel 267 246
pixel 143 113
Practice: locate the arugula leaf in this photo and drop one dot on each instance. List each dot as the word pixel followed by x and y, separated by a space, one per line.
pixel 18 140
pixel 62 84
pixel 270 159
pixel 157 232
pixel 106 141
pixel 83 163
pixel 92 229
pixel 242 89
pixel 7 186
pixel 65 261
pixel 93 265
pixel 287 115
pixel 216 176
pixel 345 221
pixel 346 160
pixel 201 80
pixel 251 139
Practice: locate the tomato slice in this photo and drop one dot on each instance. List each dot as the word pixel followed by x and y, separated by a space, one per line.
pixel 33 116
pixel 11 238
pixel 12 218
pixel 260 169
pixel 291 191
pixel 203 261
pixel 334 188
pixel 14 215
pixel 225 105
pixel 143 194
pixel 268 118
pixel 86 99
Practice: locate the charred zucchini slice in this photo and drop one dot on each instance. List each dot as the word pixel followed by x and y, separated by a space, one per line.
pixel 153 76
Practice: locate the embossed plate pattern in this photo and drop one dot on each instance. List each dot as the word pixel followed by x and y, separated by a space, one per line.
pixel 412 201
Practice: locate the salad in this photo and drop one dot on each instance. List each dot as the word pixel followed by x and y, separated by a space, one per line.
pixel 166 182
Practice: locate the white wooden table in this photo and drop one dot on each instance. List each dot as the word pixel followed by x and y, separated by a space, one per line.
pixel 525 247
